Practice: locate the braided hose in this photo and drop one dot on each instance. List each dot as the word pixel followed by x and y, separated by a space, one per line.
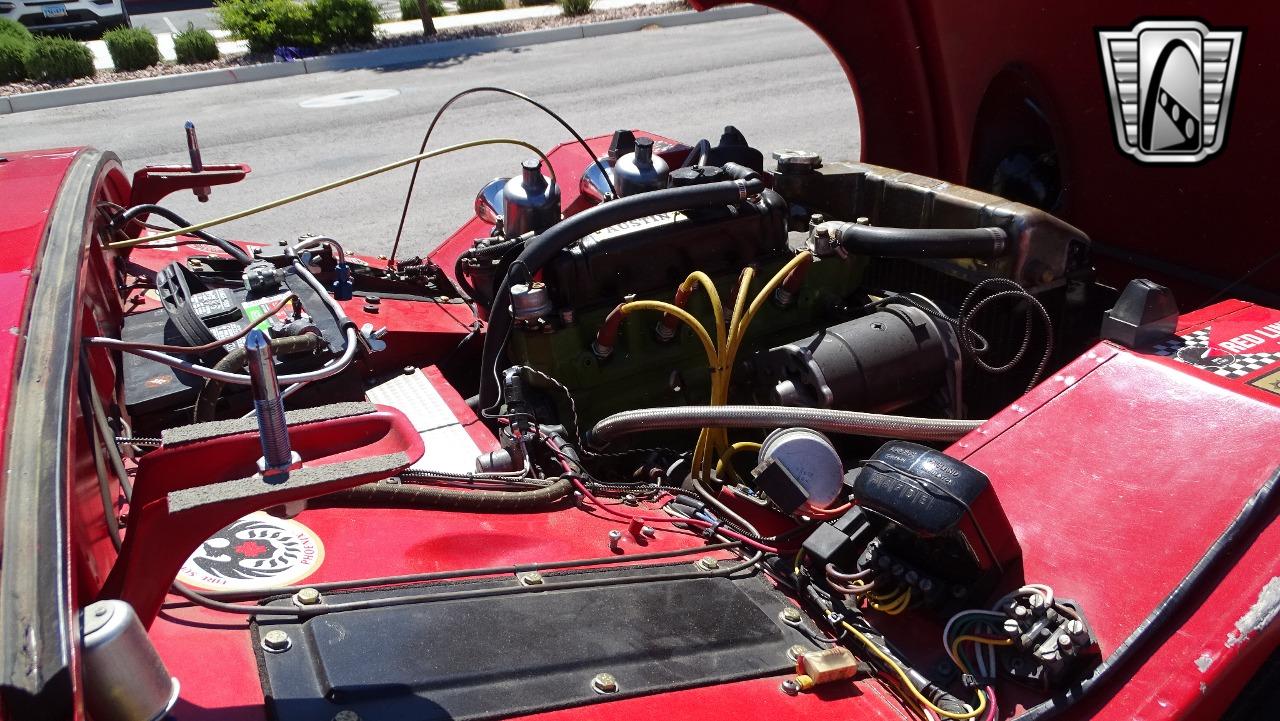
pixel 406 495
pixel 822 419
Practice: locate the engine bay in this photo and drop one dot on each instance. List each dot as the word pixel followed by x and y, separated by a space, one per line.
pixel 661 417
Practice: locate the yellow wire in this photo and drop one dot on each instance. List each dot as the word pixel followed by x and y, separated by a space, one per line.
pixel 737 333
pixel 335 184
pixel 882 597
pixel 689 320
pixel 733 450
pixel 896 606
pixel 708 347
pixel 910 687
pixel 955 647
pixel 716 440
pixel 717 309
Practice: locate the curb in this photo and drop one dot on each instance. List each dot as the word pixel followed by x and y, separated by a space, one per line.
pixel 385 57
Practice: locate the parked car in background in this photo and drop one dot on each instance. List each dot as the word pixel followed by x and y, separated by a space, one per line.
pixel 67 16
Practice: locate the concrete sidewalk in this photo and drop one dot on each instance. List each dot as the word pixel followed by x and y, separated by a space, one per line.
pixel 394 28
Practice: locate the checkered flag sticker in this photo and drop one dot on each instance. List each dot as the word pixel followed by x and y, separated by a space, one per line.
pixel 1193 349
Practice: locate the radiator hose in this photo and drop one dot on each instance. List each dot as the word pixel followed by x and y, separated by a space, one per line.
pixel 541 249
pixel 923 242
pixel 821 419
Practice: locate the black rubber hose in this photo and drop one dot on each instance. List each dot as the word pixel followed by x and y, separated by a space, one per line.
pixel 541 249
pixel 453 499
pixel 493 250
pixel 125 216
pixel 697 156
pixel 207 401
pixel 1203 576
pixel 924 242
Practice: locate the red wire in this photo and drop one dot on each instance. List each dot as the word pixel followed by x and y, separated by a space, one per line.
pixel 823 514
pixel 698 522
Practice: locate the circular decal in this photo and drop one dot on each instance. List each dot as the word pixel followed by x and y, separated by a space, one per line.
pixel 353 97
pixel 1198 355
pixel 256 552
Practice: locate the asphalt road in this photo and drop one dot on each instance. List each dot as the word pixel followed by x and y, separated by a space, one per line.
pixel 768 75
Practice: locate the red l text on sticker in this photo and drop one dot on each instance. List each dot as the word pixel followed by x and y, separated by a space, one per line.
pixel 1253 330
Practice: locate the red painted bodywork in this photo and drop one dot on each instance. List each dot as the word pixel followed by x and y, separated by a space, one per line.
pixel 1117 472
pixel 168 537
pixel 921 70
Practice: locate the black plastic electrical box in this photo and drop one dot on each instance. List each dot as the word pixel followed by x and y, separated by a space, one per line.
pixel 934 495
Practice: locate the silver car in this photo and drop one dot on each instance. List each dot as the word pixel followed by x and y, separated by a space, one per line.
pixel 67 16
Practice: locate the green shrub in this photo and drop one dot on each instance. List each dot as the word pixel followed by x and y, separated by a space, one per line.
pixel 54 58
pixel 341 22
pixel 13 57
pixel 195 45
pixel 268 24
pixel 575 7
pixel 15 30
pixel 132 48
pixel 409 9
pixel 476 6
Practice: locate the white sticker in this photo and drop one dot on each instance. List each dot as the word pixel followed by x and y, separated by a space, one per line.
pixel 256 552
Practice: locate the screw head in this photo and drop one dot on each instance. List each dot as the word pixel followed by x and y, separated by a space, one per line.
pixel 276 641
pixel 630 500
pixel 346 715
pixel 604 683
pixel 532 578
pixel 796 652
pixel 648 531
pixel 708 563
pixel 790 687
pixel 791 615
pixel 307 597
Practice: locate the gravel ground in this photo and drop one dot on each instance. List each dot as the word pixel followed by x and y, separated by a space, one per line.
pixel 454 34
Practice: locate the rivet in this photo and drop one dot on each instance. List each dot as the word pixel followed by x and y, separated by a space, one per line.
pixel 604 683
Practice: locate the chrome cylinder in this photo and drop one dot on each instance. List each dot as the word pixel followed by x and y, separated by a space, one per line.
pixel 124 678
pixel 268 404
pixel 640 171
pixel 530 203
